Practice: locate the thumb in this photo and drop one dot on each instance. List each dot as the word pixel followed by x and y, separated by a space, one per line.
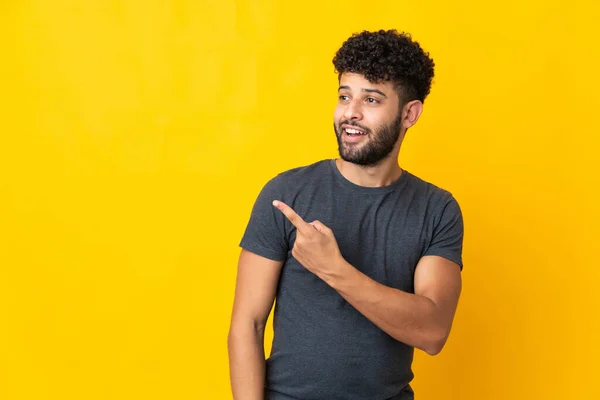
pixel 319 226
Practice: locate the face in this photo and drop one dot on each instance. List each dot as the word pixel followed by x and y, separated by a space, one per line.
pixel 367 119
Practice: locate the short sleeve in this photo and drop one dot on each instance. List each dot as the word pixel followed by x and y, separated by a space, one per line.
pixel 265 232
pixel 447 238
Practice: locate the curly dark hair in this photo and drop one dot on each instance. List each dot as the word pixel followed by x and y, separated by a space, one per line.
pixel 388 55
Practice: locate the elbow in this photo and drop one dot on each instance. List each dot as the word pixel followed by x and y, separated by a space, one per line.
pixel 434 349
pixel 436 342
pixel 246 326
pixel 242 333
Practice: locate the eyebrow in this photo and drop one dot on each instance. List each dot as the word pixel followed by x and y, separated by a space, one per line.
pixel 365 90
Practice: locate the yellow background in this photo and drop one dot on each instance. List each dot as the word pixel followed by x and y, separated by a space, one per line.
pixel 137 134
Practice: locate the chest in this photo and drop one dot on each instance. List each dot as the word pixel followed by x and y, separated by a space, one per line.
pixel 382 236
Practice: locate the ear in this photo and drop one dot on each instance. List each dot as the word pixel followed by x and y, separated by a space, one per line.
pixel 411 113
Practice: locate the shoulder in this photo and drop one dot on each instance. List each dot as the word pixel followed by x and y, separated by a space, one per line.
pixel 299 176
pixel 435 196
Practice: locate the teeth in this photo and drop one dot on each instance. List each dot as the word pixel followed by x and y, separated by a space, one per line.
pixel 354 132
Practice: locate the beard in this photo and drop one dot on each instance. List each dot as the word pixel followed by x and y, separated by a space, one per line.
pixel 377 145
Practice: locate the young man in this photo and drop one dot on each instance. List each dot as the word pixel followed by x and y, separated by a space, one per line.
pixel 363 257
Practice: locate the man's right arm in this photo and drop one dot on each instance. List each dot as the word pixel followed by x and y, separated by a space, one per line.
pixel 256 286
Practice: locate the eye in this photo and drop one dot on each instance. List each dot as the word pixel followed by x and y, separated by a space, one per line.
pixel 343 97
pixel 372 100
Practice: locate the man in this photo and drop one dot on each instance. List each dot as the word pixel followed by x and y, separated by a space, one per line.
pixel 363 257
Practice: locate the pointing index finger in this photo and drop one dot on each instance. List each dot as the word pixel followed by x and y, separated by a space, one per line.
pixel 291 215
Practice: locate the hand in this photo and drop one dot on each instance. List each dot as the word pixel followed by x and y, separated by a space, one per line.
pixel 315 247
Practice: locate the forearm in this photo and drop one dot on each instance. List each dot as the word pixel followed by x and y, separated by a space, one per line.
pixel 407 317
pixel 247 361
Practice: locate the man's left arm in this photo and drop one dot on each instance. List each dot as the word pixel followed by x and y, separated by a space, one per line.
pixel 423 319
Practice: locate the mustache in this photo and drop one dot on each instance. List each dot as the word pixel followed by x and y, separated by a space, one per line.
pixel 346 122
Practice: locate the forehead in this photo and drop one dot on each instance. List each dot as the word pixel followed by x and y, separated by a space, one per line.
pixel 358 82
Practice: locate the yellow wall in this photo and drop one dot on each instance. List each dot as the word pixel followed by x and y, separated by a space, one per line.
pixel 136 135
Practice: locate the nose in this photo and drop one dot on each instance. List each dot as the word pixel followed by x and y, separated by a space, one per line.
pixel 352 112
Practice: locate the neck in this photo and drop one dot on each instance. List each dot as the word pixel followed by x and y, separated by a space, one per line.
pixel 384 173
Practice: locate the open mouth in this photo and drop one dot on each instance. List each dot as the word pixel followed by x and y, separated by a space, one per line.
pixel 354 132
pixel 351 130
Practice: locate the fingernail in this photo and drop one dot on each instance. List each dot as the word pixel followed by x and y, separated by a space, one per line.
pixel 275 203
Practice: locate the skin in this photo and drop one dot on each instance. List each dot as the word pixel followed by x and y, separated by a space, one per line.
pixel 371 105
pixel 422 320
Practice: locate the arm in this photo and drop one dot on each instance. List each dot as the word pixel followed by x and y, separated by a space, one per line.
pixel 421 320
pixel 255 291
